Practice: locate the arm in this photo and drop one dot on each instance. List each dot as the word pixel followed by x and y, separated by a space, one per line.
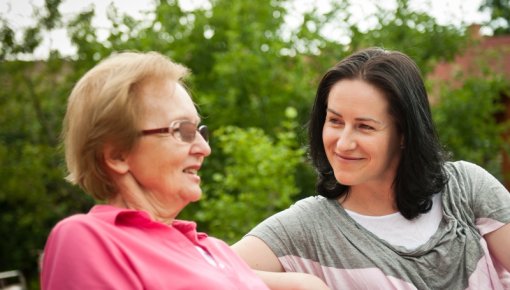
pixel 261 258
pixel 491 207
pixel 257 254
pixel 498 242
pixel 291 281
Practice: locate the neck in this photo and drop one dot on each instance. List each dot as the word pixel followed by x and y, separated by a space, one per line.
pixel 369 201
pixel 155 212
pixel 132 195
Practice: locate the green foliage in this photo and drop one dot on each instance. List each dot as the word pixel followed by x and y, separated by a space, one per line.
pixel 500 15
pixel 256 179
pixel 253 79
pixel 33 196
pixel 414 33
pixel 467 123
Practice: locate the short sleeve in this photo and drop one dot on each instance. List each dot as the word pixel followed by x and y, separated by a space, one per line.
pixel 294 232
pixel 488 199
pixel 278 233
pixel 491 198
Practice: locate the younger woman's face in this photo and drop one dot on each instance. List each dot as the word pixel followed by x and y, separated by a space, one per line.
pixel 361 139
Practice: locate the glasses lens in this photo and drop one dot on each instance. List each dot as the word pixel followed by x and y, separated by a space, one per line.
pixel 187 131
pixel 204 131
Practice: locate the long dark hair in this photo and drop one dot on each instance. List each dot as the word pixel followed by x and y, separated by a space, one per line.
pixel 420 173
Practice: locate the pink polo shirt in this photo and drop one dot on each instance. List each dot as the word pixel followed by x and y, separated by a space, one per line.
pixel 113 248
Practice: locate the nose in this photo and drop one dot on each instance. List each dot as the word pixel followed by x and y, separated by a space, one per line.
pixel 200 146
pixel 346 141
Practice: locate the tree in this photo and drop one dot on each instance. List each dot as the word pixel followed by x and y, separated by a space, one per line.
pixel 477 138
pixel 254 81
pixel 414 33
pixel 33 195
pixel 256 179
pixel 500 15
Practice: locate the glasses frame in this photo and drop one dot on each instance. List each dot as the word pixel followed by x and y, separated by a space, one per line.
pixel 175 127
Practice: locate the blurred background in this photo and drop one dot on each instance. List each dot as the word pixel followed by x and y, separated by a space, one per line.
pixel 255 65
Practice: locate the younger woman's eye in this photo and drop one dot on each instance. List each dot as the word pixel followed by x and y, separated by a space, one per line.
pixel 335 121
pixel 366 127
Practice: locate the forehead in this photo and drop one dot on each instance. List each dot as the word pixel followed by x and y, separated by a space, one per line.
pixel 166 99
pixel 357 97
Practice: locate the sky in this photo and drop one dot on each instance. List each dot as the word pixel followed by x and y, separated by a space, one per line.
pixel 19 14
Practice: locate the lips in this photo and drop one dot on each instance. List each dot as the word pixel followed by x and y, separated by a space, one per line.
pixel 348 158
pixel 192 169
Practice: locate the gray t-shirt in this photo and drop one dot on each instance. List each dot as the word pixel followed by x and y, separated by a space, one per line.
pixel 317 236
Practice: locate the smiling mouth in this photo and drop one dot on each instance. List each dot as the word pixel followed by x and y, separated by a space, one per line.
pixel 191 171
pixel 348 158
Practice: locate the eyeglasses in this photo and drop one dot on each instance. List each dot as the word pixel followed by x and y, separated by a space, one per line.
pixel 184 131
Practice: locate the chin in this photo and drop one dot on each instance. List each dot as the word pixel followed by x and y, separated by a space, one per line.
pixel 345 181
pixel 195 195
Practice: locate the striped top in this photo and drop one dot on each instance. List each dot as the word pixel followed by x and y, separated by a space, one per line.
pixel 316 235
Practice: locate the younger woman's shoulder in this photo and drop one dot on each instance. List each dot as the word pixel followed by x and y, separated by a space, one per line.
pixel 474 183
pixel 464 169
pixel 461 164
pixel 309 208
pixel 311 203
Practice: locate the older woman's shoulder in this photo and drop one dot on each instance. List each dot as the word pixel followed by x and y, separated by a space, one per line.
pixel 96 220
pixel 74 225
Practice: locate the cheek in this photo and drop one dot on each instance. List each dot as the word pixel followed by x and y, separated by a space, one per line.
pixel 153 161
pixel 329 142
pixel 165 164
pixel 328 137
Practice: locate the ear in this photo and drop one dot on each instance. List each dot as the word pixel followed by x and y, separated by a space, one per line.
pixel 114 159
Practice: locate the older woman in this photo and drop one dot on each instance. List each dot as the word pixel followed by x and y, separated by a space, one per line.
pixel 130 139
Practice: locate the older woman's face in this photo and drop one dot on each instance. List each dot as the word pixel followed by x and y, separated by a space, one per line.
pixel 164 167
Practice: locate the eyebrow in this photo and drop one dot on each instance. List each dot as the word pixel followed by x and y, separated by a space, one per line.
pixel 196 120
pixel 363 119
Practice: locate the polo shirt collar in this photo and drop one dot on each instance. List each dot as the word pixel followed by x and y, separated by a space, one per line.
pixel 140 218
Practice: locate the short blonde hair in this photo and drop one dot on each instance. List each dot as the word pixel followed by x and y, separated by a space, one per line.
pixel 103 107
